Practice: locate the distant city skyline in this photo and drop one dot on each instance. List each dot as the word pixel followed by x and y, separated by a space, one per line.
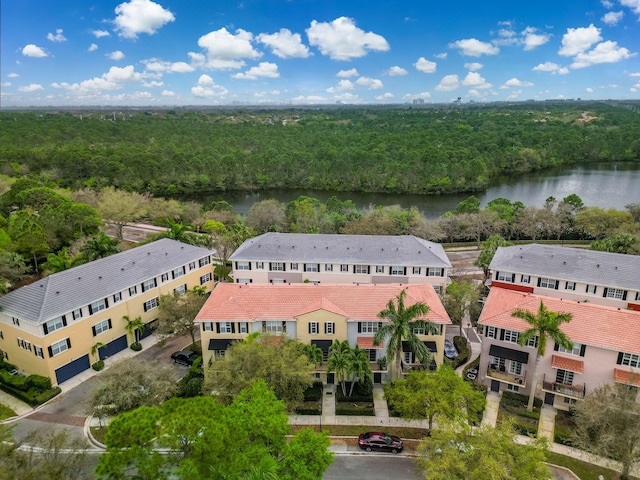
pixel 301 52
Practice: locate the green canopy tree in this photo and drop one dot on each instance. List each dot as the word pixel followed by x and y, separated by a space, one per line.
pixel 545 325
pixel 99 246
pixel 58 262
pixel 28 237
pixel 177 312
pixel 402 321
pixel 461 301
pixel 488 250
pixel 12 269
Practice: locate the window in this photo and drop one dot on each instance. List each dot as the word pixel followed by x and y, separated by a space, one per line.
pixel 149 284
pixel 101 327
pixel 24 344
pixel 116 298
pixel 533 341
pixel 76 314
pixel 591 289
pixel 313 328
pixel 15 321
pixel 372 353
pixel 311 267
pixel 491 332
pixel 513 388
pixel 243 266
pixel 205 278
pixel 437 288
pixel 616 293
pixel 564 376
pixel 59 347
pixel 98 306
pixel 396 270
pixel 547 283
pixel 151 304
pixel 511 336
pixel 515 368
pixel 368 327
pixel 637 296
pixel 629 359
pixel 164 277
pixel 418 331
pixel 435 272
pixel 244 280
pixel 243 327
pixel 379 269
pixel 570 286
pixel 328 267
pixel 293 266
pixel 192 266
pixel 1 335
pixel 329 328
pixel 273 326
pixel 180 289
pixel 417 270
pixel 344 268
pixel 38 352
pixel 505 277
pixel 276 266
pixel 207 326
pixel 260 265
pixel 525 278
pixel 360 269
pixel 177 272
pixel 226 327
pixel 204 261
pixel 53 325
pixel 278 280
pixel 133 290
pixel 574 351
pixel 570 401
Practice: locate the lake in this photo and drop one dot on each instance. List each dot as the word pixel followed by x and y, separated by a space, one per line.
pixel 606 185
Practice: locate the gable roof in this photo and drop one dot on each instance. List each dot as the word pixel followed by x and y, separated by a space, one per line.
pixel 572 264
pixel 68 290
pixel 231 302
pixel 605 327
pixel 401 250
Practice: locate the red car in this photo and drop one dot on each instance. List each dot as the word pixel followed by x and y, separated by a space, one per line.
pixel 380 441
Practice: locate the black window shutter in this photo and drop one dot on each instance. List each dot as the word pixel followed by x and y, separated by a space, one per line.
pixel 45 329
pixel 145 307
pixel 624 295
pixel 557 284
pixel 620 355
pixel 583 348
pixel 595 289
pixel 90 310
pixel 539 279
pixel 68 343
pixel 233 328
pixel 50 351
pixel 93 329
pixel 109 322
pixel 155 282
pixel 513 278
pixel 587 289
pixel 249 266
pixel 354 269
pixel 566 285
pixel 309 327
pixel 236 265
pixel 556 347
pixel 368 269
pixel 605 292
pixel 359 327
pixel 64 320
pixel 502 334
pixel 106 303
pixel 442 272
pixel 35 351
pixel 497 275
pixel 270 266
pixel 217 328
pixel 404 272
pixel 284 267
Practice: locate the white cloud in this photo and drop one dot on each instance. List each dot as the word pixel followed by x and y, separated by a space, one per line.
pixel 474 79
pixel 140 16
pixel 634 5
pixel 607 4
pixel 32 50
pixel 345 85
pixel 371 83
pixel 448 83
pixel 347 73
pixel 168 93
pixel 100 33
pixel 612 18
pixel 506 33
pixel 225 50
pixel 5 84
pixel 58 37
pixel 285 44
pixel 92 48
pixel 634 74
pixel 589 90
pixel 86 87
pixel 425 66
pixel 153 84
pixel 207 88
pixel 157 65
pixel 473 66
pixel 442 56
pixel 385 96
pixel 33 87
pixel 551 67
pixel 117 55
pixel 473 47
pixel 515 82
pixel 396 71
pixel 410 96
pixel 605 52
pixel 342 40
pixel 263 70
pixel 532 40
pixel 122 75
pixel 578 40
pixel 15 75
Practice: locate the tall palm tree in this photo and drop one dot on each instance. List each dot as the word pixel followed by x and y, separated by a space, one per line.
pixel 359 367
pixel 133 326
pixel 313 353
pixel 338 361
pixel 402 321
pixel 545 324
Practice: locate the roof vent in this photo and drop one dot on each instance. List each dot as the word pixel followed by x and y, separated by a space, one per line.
pixel 58 293
pixel 326 248
pixel 564 263
pixel 122 270
pixel 148 253
pixel 166 253
pixel 419 252
pixel 181 248
pixel 100 277
pixel 598 265
pixel 79 278
pixel 616 267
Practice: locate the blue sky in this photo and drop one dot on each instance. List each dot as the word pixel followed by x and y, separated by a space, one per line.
pixel 206 52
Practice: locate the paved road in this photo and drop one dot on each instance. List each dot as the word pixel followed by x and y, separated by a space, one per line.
pixel 371 466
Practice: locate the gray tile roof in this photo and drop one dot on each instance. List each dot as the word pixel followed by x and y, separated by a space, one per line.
pixel 571 264
pixel 66 291
pixel 400 250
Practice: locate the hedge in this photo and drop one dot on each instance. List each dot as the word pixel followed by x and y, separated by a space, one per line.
pixel 342 409
pixel 32 397
pixel 34 389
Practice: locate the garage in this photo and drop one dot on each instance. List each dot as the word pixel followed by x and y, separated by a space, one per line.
pixel 72 369
pixel 113 347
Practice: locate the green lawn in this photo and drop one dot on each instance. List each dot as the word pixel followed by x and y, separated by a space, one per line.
pixel 584 470
pixel 6 412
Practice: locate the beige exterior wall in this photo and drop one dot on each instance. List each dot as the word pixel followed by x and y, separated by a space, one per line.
pixel 321 317
pixel 79 331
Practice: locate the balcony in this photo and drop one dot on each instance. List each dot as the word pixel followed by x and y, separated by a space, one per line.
pixel 573 391
pixel 502 375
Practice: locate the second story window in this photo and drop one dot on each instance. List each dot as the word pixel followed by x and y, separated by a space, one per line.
pixel 328 267
pixel 344 268
pixel 435 272
pixel 243 265
pixel 368 327
pixel 591 289
pixel 177 272
pixel 629 359
pixel 361 269
pixel 150 304
pixel 570 286
pixel 311 267
pixel 276 266
pixel 260 265
pixel 59 347
pixel 525 278
pixel 577 348
pixel 294 266
pixel 511 336
pixel 615 293
pixel 548 283
pixel 506 277
pixel 97 306
pixel 396 270
pixel 379 269
pixel 149 284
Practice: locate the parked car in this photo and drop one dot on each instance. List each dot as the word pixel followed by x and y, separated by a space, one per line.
pixel 449 350
pixel 184 357
pixel 380 441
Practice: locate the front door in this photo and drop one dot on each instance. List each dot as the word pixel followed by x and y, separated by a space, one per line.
pixel 495 386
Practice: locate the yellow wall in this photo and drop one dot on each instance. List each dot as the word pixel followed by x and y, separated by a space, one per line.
pixel 321 317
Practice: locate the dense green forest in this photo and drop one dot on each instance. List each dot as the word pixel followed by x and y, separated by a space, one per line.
pixel 371 149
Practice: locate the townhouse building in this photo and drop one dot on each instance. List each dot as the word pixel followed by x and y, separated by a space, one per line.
pixel 326 258
pixel 317 314
pixel 606 348
pixel 50 327
pixel 570 273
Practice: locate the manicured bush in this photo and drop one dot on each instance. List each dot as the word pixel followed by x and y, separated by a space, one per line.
pixel 349 409
pixel 39 382
pixel 356 397
pixel 99 365
pixel 313 393
pixel 305 410
pixel 516 402
pixel 136 346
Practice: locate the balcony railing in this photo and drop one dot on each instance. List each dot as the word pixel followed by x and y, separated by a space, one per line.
pixel 573 391
pixel 504 376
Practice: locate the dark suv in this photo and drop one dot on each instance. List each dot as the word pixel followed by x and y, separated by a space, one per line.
pixel 184 357
pixel 380 441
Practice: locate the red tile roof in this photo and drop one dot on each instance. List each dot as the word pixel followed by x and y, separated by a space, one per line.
pixel 605 327
pixel 367 342
pixel 626 376
pixel 245 302
pixel 570 364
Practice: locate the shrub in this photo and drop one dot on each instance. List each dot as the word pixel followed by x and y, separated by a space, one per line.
pixel 304 410
pixel 136 346
pixel 313 393
pixel 349 409
pixel 515 402
pixel 39 382
pixel 356 397
pixel 99 365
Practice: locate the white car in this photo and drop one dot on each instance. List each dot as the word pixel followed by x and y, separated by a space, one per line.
pixel 449 350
